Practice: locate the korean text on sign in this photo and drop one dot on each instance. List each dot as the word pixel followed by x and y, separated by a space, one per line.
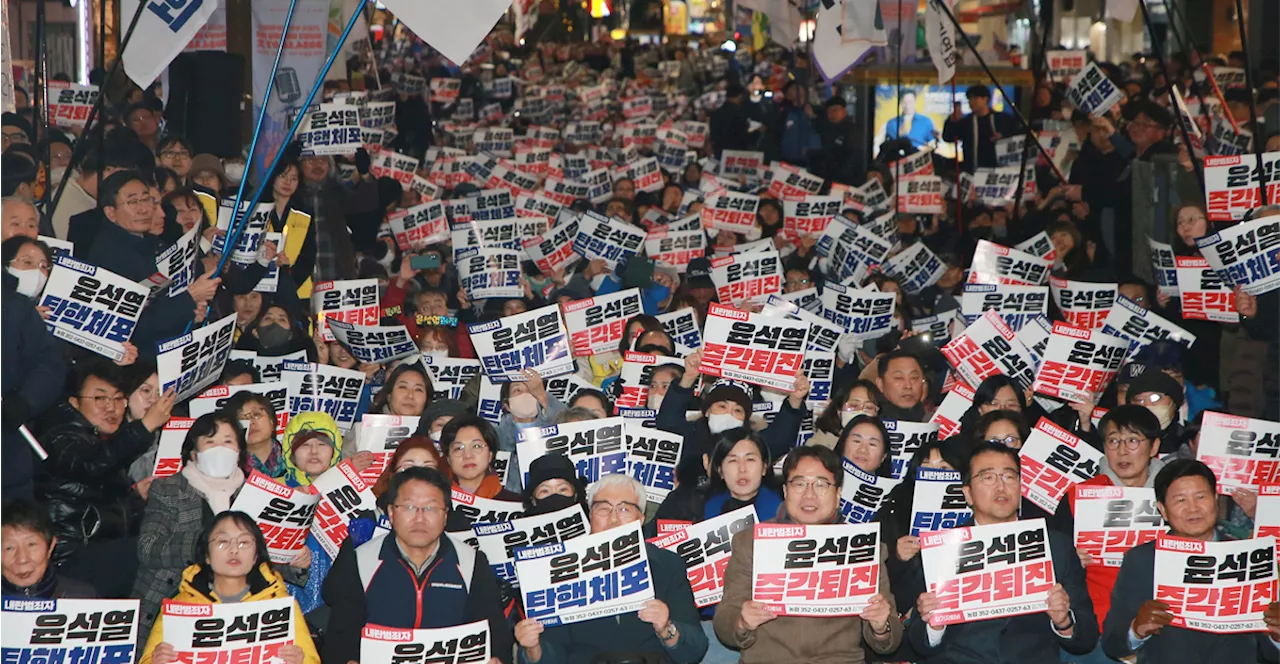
pixel 596 447
pixel 1244 452
pixel 190 363
pixel 382 435
pixel 341 493
pixel 939 503
pixel 1231 184
pixel 324 388
pixel 1219 587
pixel 705 548
pixel 282 513
pixel 1110 520
pixel 69 630
pixel 994 571
pixel 446 645
pixel 595 324
pixel 231 632
pixel 827 570
pixel 758 349
pixel 377 344
pixel 862 493
pixel 1078 364
pixel 1246 254
pixel 532 340
pixel 1053 460
pixel 596 576
pixel 989 347
pixel 498 541
pixel 352 301
pixel 91 307
pixel 652 456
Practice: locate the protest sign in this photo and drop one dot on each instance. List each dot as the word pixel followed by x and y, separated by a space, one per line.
pixel 538 207
pixel 810 215
pixel 606 239
pixel 471 236
pixel 268 366
pixel 1110 520
pixel 905 439
pixel 178 262
pixel 331 129
pixel 1092 92
pixel 491 273
pixel 1203 293
pixel 754 348
pixel 1053 460
pixel 851 250
pixel 1035 336
pixel 596 447
pixel 939 502
pixel 920 194
pixel 443 645
pixel 747 278
pixel 1016 305
pixel 827 570
pixel 375 344
pixel 491 205
pixel 870 196
pixel 988 347
pixel 445 90
pixel 1164 267
pixel 169 459
pixel 209 632
pixel 862 312
pixel 449 376
pixel 916 163
pixel 396 166
pixel 283 514
pixel 1244 452
pixel 1246 254
pixel 728 211
pixel 1231 184
pixel 1065 65
pixel 353 301
pixel 862 493
pixel 1009 151
pixel 735 164
pixel 997 264
pixel 675 249
pixel 1038 245
pixel 682 326
pixel 596 324
pixel 194 361
pixel 1266 521
pixel 957 402
pixel 498 540
pixel 37 631
pixel 255 228
pixel 789 183
pixel 378 114
pixel 323 388
pixel 1141 326
pixel 994 571
pixel 216 398
pixel 917 268
pixel 652 456
pixel 92 307
pixel 530 340
pixel 995 187
pixel 636 375
pixel 705 548
pixel 553 251
pixel 69 104
pixel 342 494
pixel 824 335
pixel 1079 364
pixel 1216 587
pixel 594 576
pixel 382 435
pixel 1084 304
pixel 419 226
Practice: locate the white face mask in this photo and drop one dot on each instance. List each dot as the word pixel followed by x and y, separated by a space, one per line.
pixel 435 435
pixel 523 406
pixel 57 174
pixel 723 422
pixel 218 462
pixel 234 170
pixel 30 282
pixel 846 416
pixel 1164 413
pixel 655 401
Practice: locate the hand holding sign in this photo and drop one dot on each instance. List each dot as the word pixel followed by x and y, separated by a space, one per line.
pixel 1272 617
pixel 877 614
pixel 1152 616
pixel 656 613
pixel 1060 608
pixel 528 632
pixel 159 412
pixel 754 614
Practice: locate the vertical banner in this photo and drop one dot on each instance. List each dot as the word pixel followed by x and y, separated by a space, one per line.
pixel 1053 460
pixel 300 63
pixel 705 548
pixel 1110 520
pixel 826 571
pixel 1216 587
pixel 231 632
pixel 37 631
pixel 555 578
pixel 282 513
pixel 939 34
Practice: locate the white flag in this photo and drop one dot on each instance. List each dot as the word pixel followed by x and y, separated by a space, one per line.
pixel 452 32
pixel 163 30
pixel 939 32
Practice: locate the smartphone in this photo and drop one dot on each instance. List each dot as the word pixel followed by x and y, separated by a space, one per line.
pixel 428 262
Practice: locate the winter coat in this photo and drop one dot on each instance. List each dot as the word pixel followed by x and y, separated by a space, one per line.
pixel 32 379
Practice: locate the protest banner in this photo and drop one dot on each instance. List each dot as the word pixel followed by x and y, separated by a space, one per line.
pixel 594 576
pixel 917 268
pixel 920 194
pixel 862 493
pixel 534 339
pixel 1079 364
pixel 1231 184
pixel 499 540
pixel 1016 305
pixel 997 264
pixel 1084 304
pixel 445 90
pixel 682 326
pixel 870 196
pixel 323 388
pixel 1092 92
pixel 1065 65
pixel 827 570
pixel 353 301
pixel 538 207
pixel 449 375
pixel 469 236
pixel 169 459
pixel 905 439
pixel 1227 138
pixel 1110 520
pixel 419 226
pixel 92 307
pixel 553 251
pixel 1052 460
pixel 851 250
pixel 957 402
pixel 491 205
pixel 820 368
pixel 747 165
pixel 178 262
pixel 988 347
pixel 789 183
pixel 1141 326
pixel 216 398
pixel 596 324
pixel 331 129
pixel 268 366
pixel 705 548
pixel 396 166
pixel 283 514
pixel 939 502
pixel 472 509
pixel 914 164
pixel 729 211
pixel 255 228
pixel 1035 336
pixel 382 435
pixel 1246 254
pixel 596 447
pixel 1216 587
pixel 376 344
pixel 494 140
pixel 994 571
pixel 652 456
pixel 1203 293
pixel 757 349
pixel 443 645
pixel 675 248
pixel 606 239
pixel 1038 245
pixel 937 329
pixel 1164 267
pixel 862 312
pixel 491 273
pixel 1244 452
pixel 810 215
pixel 38 631
pixel 1266 521
pixel 342 494
pixel 190 363
pixel 69 103
pixel 210 632
pixel 747 278
pixel 637 374
pixel 378 114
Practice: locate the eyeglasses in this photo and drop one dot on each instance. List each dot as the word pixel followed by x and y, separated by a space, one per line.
pixel 864 406
pixel 624 510
pixel 255 414
pixel 459 448
pixel 101 401
pixel 1004 405
pixel 1007 441
pixel 176 154
pixel 1155 398
pixel 143 202
pixel 989 477
pixel 1132 443
pixel 224 543
pixel 420 510
pixel 820 487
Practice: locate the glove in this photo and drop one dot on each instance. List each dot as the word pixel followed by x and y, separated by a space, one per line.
pixel 14 411
pixel 847 347
pixel 363 162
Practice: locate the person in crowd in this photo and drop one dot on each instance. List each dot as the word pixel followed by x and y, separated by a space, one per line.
pixel 553 485
pixel 910 124
pixel 384 581
pixel 141 384
pixel 861 397
pixel 416 451
pixel 299 246
pixel 81 192
pixel 27 561
pixel 979 130
pixel 277 333
pixel 1001 427
pixel 406 392
pixel 18 218
pixel 525 405
pixel 730 128
pixel 471 444
pixel 1139 624
pixel 903 386
pixel 1162 395
pixel 739 471
pixel 992 481
pixel 865 444
pixel 437 414
pixel 233 565
pixel 665 627
pixel 594 401
pixel 812 478
pixel 174 153
pixel 266 455
pixel 839 158
pixel 338 213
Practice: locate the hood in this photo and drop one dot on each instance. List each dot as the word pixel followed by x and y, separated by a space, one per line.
pixel 1156 465
pixel 196 586
pixel 300 424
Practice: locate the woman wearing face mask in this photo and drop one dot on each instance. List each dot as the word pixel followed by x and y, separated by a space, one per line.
pixel 275 334
pixel 29 262
pixel 214 459
pixel 299 245
pixel 406 392
pixel 865 443
pixel 470 444
pixel 524 405
pixel 437 414
pixel 848 401
pixel 553 485
pixel 266 454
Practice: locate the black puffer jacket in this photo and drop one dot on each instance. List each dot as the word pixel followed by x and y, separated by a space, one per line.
pixel 85 483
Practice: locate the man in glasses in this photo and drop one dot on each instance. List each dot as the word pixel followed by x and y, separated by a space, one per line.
pixel 992 483
pixel 413 577
pixel 665 629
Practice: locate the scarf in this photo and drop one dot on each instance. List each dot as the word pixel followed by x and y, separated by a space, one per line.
pixel 216 492
pixel 489 487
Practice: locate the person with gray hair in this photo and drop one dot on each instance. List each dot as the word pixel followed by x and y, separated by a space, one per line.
pixel 666 628
pixel 575 414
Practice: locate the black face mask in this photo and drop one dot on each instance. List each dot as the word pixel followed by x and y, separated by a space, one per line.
pixel 271 336
pixel 553 503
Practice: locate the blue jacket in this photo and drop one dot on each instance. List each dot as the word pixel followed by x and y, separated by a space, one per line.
pixel 650 298
pixel 799 137
pixel 32 381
